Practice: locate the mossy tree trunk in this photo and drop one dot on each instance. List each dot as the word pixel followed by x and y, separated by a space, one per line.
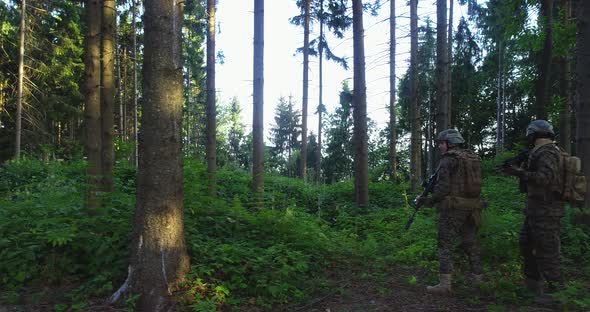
pixel 159 259
pixel 361 159
pixel 107 95
pixel 415 140
pixel 258 120
pixel 583 91
pixel 303 154
pixel 211 112
pixel 392 121
pixel 92 128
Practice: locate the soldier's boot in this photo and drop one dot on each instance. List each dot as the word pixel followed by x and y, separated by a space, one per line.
pixel 443 287
pixel 547 297
pixel 534 286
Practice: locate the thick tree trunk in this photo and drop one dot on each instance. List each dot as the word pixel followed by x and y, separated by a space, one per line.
pixel 119 94
pixel 159 260
pixel 107 95
pixel 430 152
pixel 415 141
pixel 565 113
pixel 211 147
pixel 135 118
pixel 450 66
pixel 21 72
pixel 303 156
pixel 442 97
pixel 187 122
pixel 583 90
pixel 543 92
pixel 257 123
pixel 318 165
pixel 124 93
pixel 503 105
pixel 499 111
pixel 92 122
pixel 392 121
pixel 303 166
pixel 360 108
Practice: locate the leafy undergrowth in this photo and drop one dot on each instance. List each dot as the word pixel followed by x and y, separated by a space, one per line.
pixel 53 253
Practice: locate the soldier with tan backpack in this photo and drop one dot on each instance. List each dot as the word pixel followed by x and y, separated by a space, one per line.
pixel 550 177
pixel 456 196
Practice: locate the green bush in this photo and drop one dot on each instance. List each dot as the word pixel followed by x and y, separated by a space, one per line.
pixel 46 235
pixel 244 256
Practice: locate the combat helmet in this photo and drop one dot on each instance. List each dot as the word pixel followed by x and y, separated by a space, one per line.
pixel 540 128
pixel 450 135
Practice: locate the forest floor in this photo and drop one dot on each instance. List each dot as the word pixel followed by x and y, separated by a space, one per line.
pixel 403 289
pixel 395 289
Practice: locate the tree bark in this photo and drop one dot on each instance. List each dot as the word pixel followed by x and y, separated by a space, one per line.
pixel 135 116
pixel 107 96
pixel 360 108
pixel 303 156
pixel 211 147
pixel 499 106
pixel 92 121
pixel 565 113
pixel 159 260
pixel 583 91
pixel 544 63
pixel 450 66
pixel 318 165
pixel 124 93
pixel 430 152
pixel 392 121
pixel 21 73
pixel 442 97
pixel 119 94
pixel 415 145
pixel 257 123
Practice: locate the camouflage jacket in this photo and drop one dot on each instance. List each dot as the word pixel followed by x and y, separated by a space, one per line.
pixel 542 180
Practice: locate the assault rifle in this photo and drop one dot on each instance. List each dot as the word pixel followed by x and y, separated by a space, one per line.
pixel 514 161
pixel 428 186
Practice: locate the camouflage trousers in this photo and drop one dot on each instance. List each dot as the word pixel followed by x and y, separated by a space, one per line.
pixel 540 247
pixel 453 224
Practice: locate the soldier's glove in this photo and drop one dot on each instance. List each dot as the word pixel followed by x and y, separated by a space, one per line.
pixel 514 171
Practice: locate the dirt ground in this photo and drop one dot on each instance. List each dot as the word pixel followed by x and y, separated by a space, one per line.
pixel 395 293
pixel 360 291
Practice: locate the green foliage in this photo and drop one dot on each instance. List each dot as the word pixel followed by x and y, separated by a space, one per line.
pixel 337 164
pixel 576 238
pixel 284 136
pixel 48 236
pixel 124 149
pixel 53 72
pixel 242 256
pixel 574 296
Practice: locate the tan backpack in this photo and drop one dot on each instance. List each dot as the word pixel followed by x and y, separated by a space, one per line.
pixel 573 181
pixel 469 168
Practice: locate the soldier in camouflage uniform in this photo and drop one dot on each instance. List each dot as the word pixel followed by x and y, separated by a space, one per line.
pixel 540 178
pixel 459 212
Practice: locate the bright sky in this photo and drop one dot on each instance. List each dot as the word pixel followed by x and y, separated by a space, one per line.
pixel 283 70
